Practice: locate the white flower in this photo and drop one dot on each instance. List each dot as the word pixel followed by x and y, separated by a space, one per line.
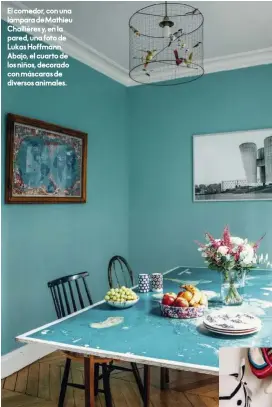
pixel 248 260
pixel 200 249
pixel 228 257
pixel 247 252
pixel 204 255
pixel 223 250
pixel 266 257
pixel 236 240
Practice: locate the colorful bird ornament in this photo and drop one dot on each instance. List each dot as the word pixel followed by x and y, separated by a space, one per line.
pixel 176 36
pixel 136 32
pixel 172 38
pixel 178 59
pixel 188 60
pixel 148 57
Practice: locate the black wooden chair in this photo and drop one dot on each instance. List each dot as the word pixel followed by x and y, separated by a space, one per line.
pixel 70 293
pixel 126 272
pixel 125 277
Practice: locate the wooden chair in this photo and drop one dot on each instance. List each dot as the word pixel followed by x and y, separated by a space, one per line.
pixel 125 277
pixel 66 301
pixel 126 272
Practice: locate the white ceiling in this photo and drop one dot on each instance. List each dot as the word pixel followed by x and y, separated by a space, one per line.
pixel 230 27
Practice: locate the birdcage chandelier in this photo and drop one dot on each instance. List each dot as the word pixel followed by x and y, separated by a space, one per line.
pixel 166 44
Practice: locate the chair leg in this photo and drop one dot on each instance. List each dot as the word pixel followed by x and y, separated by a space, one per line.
pixel 64 382
pixel 96 379
pixel 146 386
pixel 164 378
pixel 106 383
pixel 89 381
pixel 138 379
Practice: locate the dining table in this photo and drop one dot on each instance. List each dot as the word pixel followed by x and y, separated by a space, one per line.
pixel 142 335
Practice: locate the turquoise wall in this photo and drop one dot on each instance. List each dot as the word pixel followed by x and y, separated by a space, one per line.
pixel 139 182
pixel 42 242
pixel 163 220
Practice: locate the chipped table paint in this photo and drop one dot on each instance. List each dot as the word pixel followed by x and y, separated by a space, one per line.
pixel 144 336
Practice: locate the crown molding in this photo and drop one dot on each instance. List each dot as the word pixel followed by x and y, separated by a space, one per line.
pixel 238 61
pixel 88 55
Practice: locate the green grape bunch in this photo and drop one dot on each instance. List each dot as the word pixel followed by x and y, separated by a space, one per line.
pixel 122 294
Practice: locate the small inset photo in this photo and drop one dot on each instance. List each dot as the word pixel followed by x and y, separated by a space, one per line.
pixel 245 377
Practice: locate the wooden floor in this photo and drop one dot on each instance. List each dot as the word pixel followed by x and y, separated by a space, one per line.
pixel 38 385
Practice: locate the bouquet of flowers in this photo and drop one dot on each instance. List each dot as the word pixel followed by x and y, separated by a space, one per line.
pixel 231 254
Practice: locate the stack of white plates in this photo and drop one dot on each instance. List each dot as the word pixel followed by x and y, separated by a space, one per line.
pixel 232 323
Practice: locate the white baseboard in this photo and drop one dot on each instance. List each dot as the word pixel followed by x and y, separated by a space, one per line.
pixel 22 357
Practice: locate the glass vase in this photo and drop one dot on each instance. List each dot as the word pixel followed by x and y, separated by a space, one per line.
pixel 232 287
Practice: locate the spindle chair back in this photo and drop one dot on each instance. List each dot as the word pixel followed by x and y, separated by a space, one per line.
pixel 70 293
pixel 119 272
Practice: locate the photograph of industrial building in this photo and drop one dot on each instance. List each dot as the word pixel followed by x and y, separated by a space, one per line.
pixel 233 166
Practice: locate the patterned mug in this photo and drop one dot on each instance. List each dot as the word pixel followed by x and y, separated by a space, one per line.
pixel 144 283
pixel 157 282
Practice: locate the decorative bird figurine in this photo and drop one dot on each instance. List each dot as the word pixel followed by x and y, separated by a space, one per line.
pixel 197 44
pixel 188 60
pixel 148 58
pixel 172 38
pixel 178 59
pixel 175 36
pixel 136 32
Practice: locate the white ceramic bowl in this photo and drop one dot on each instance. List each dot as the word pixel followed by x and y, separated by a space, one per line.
pixel 124 304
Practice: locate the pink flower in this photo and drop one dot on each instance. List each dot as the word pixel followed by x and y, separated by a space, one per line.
pixel 257 244
pixel 223 250
pixel 226 237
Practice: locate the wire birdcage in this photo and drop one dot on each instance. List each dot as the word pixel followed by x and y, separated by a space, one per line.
pixel 166 44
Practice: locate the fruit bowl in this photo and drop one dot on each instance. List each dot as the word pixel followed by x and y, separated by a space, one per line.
pixel 188 303
pixel 183 312
pixel 122 304
pixel 121 297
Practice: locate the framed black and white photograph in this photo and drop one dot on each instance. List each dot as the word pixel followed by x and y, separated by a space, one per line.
pixel 233 166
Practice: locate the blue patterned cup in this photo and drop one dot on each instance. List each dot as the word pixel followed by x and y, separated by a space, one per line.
pixel 157 282
pixel 144 283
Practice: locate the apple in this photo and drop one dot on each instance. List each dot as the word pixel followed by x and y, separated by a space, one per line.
pixel 169 298
pixel 186 294
pixel 181 302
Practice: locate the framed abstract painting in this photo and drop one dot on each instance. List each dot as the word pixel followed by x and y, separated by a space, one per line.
pixel 45 163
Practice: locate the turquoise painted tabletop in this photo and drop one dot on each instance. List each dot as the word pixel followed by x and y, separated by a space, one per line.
pixel 145 336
